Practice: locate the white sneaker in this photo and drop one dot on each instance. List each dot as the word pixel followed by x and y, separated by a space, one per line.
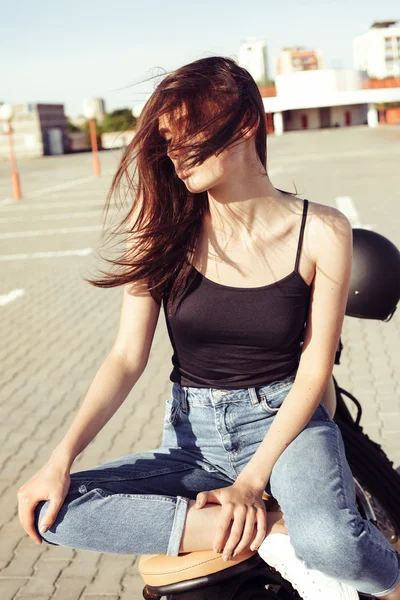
pixel 278 552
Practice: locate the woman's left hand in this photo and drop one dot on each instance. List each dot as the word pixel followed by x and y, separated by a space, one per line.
pixel 245 506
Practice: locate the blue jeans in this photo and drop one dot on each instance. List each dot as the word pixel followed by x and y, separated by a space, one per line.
pixel 137 504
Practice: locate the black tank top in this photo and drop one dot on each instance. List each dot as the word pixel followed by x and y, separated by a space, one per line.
pixel 230 337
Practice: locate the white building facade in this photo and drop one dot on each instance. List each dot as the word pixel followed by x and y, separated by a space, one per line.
pixel 253 57
pixel 325 98
pixel 378 50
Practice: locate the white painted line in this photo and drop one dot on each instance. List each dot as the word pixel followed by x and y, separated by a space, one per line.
pixel 61 186
pixel 53 217
pixel 50 204
pixel 55 254
pixel 300 157
pixel 11 296
pixel 346 205
pixel 71 215
pixel 65 185
pixel 37 233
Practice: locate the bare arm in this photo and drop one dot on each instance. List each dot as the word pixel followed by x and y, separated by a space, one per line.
pixel 333 239
pixel 120 370
pixel 117 375
pixel 108 390
pixel 111 385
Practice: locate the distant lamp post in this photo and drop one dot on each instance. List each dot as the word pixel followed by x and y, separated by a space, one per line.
pixel 6 114
pixel 89 113
pixel 136 110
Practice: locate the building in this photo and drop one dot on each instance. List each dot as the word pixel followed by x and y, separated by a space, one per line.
pixel 377 52
pixel 298 59
pixel 325 98
pixel 253 57
pixel 38 130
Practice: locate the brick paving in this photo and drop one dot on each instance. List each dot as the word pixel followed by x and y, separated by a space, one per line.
pixel 59 329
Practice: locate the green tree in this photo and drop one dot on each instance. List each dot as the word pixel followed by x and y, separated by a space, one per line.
pixel 118 120
pixel 71 127
pixel 265 81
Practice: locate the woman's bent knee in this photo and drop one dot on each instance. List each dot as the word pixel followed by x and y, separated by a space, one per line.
pixel 336 553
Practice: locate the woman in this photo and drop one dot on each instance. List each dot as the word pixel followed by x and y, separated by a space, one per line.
pixel 248 275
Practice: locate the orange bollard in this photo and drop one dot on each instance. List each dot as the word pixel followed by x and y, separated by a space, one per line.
pixel 14 172
pixel 93 141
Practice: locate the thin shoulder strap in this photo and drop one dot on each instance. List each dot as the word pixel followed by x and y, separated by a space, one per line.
pixel 303 222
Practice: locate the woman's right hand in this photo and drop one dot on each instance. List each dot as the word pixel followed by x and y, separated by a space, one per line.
pixel 52 483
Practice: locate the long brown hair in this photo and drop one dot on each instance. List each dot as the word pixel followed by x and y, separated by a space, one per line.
pixel 211 96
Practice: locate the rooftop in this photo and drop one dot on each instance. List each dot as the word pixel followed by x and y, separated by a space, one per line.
pixel 383 24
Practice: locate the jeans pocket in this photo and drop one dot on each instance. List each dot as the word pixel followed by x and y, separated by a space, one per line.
pixel 171 413
pixel 272 401
pixel 270 405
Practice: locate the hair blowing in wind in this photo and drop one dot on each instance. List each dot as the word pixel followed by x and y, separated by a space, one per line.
pixel 212 102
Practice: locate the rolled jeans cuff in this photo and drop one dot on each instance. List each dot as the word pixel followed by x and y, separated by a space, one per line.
pixel 174 543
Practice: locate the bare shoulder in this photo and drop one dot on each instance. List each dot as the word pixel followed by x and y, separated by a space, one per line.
pixel 328 228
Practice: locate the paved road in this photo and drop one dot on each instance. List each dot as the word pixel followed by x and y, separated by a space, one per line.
pixel 57 330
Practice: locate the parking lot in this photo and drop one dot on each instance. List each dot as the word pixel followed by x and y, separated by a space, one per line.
pixel 57 330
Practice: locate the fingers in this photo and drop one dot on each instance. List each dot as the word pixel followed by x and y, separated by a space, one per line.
pixel 248 523
pixel 50 515
pixel 248 531
pixel 201 499
pixel 236 532
pixel 211 496
pixel 261 528
pixel 26 516
pixel 223 526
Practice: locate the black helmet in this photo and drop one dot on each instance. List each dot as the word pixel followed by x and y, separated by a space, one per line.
pixel 375 277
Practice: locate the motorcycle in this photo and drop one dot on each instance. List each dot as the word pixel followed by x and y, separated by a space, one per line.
pixel 374 293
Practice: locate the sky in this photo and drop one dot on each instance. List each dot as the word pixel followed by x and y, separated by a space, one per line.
pixel 65 51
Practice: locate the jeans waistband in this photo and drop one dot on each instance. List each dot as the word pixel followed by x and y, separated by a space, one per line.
pixel 255 393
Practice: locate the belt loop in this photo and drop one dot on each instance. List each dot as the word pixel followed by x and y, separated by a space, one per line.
pixel 184 402
pixel 253 396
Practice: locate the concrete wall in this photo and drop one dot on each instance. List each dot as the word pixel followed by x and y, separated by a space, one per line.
pixel 310 118
pixel 27 133
pixel 308 85
pixel 358 114
pixel 34 128
pixel 116 139
pixel 78 141
pixel 294 120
